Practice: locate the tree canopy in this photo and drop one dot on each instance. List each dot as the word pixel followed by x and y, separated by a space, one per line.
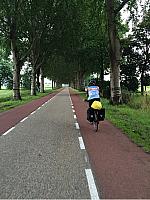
pixel 67 41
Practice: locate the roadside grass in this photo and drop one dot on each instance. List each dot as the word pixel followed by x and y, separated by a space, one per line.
pixel 135 123
pixel 7 102
pixel 140 102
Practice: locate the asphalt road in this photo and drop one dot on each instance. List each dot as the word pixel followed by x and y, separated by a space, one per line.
pixel 48 150
pixel 41 158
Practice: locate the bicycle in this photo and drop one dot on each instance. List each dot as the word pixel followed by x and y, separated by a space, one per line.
pixel 98 115
pixel 95 120
pixel 94 116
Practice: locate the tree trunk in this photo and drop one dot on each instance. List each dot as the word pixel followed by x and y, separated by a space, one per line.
pixel 52 84
pixel 33 82
pixel 81 80
pixel 111 87
pixel 114 45
pixel 16 83
pixel 42 81
pixel 102 79
pixel 38 80
pixel 16 69
pixel 77 80
pixel 142 82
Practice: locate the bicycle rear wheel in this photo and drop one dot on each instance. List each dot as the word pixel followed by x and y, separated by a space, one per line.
pixel 95 122
pixel 95 126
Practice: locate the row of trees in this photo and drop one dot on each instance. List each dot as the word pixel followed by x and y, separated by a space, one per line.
pixel 135 54
pixel 68 40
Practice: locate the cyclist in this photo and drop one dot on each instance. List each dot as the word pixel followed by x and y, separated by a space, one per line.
pixel 93 92
pixel 92 95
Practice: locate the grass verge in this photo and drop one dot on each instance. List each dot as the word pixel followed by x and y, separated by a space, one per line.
pixel 7 103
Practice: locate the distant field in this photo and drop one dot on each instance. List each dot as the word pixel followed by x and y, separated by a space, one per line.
pixel 147 89
pixel 5 93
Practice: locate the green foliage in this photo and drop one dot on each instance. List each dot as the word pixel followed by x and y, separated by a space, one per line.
pixel 5 70
pixel 139 102
pixel 126 96
pixel 26 79
pixel 146 81
pixel 106 89
pixel 129 66
pixel 70 38
pixel 130 83
pixel 142 43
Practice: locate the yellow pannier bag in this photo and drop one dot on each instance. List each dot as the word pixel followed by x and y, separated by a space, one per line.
pixel 96 105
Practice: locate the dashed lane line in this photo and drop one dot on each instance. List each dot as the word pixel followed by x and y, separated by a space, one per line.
pixel 24 119
pixel 9 130
pixel 91 184
pixel 33 112
pixel 88 172
pixel 28 116
pixel 75 117
pixel 77 126
pixel 82 146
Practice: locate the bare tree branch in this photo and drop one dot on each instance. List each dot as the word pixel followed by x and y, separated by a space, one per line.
pixel 121 6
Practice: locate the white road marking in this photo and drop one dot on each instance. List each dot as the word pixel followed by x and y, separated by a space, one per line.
pixel 73 111
pixel 27 117
pixel 39 108
pixel 91 184
pixel 72 106
pixel 82 146
pixel 53 97
pixel 24 119
pixel 70 98
pixel 77 125
pixel 33 112
pixel 75 117
pixel 9 130
pixel 86 159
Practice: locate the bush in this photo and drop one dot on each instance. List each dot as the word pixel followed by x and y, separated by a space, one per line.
pixel 140 102
pixel 126 96
pixel 106 89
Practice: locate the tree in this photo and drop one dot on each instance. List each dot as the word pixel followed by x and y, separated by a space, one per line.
pixel 129 65
pixel 142 46
pixel 146 81
pixel 5 74
pixel 112 9
pixel 26 78
pixel 5 69
pixel 12 19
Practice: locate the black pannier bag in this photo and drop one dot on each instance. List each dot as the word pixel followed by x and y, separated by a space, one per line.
pixel 90 114
pixel 101 114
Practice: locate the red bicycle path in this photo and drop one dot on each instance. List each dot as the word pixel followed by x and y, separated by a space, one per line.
pixel 121 169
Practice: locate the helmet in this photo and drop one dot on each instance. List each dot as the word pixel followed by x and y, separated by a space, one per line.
pixel 92 82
